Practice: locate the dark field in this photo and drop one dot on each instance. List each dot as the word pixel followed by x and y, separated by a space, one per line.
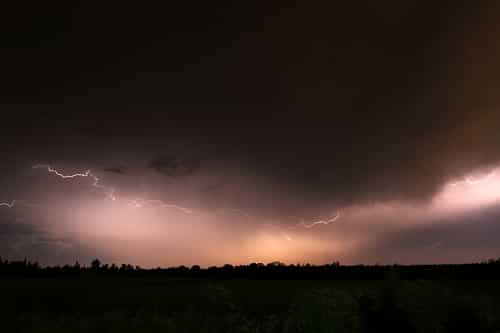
pixel 96 302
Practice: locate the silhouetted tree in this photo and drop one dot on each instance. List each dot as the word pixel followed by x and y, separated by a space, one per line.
pixel 95 264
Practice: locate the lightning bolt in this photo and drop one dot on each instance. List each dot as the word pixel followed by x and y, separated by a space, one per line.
pixel 8 204
pixel 20 202
pixel 139 203
pixel 54 171
pixel 324 222
pixel 88 174
pixel 168 205
pixel 111 193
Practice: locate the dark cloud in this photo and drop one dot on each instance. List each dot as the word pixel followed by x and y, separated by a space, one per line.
pixel 22 240
pixel 8 229
pixel 346 101
pixel 175 166
pixel 119 170
pixel 273 108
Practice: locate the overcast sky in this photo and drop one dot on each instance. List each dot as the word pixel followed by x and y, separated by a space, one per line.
pixel 255 131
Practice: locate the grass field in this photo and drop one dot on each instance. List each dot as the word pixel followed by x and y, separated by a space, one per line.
pixel 124 304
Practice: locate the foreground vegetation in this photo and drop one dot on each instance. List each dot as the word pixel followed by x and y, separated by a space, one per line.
pixel 269 298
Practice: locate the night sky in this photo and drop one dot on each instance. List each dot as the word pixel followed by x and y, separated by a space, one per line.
pixel 251 131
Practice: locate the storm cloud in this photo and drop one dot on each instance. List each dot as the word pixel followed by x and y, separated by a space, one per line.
pixel 281 112
pixel 174 166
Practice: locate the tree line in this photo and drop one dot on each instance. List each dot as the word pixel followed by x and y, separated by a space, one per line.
pixel 275 270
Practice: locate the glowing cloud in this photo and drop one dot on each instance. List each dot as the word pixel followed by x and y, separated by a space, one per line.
pixel 472 192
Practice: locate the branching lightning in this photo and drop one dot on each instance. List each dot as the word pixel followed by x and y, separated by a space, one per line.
pixel 324 222
pixel 141 202
pixel 111 193
pixel 96 181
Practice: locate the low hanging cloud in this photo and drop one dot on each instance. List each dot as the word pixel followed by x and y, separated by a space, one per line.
pixel 23 239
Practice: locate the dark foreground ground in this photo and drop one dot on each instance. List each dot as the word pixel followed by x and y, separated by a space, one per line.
pixel 93 301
